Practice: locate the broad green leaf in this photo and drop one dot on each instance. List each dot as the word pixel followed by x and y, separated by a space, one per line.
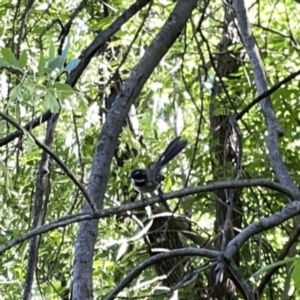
pixel 51 52
pixel 105 22
pixel 9 56
pixel 41 67
pixel 64 54
pixel 296 272
pixel 72 65
pixel 51 103
pixel 271 266
pixel 15 92
pixel 3 62
pixel 23 59
pixel 55 64
pixel 63 88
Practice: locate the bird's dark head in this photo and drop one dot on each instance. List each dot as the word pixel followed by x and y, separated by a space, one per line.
pixel 138 175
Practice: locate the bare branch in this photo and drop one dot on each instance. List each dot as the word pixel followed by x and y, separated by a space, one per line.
pixel 55 157
pixel 245 288
pixel 66 29
pixel 108 212
pixel 39 208
pixel 293 239
pixel 266 104
pixel 30 125
pixel 156 259
pixel 265 94
pixel 289 211
pixel 87 235
pixel 228 220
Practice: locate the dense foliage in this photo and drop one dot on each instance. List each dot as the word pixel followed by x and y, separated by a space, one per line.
pixel 49 69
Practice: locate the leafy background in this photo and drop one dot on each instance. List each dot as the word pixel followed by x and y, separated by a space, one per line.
pixel 37 56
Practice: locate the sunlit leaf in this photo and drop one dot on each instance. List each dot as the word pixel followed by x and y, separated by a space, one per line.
pixel 64 54
pixel 122 250
pixel 23 59
pixel 72 65
pixel 41 66
pixel 51 103
pixel 55 64
pixel 9 56
pixel 51 52
pixel 15 92
pixel 63 88
pixel 296 272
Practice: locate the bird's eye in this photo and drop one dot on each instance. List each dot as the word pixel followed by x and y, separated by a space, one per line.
pixel 138 174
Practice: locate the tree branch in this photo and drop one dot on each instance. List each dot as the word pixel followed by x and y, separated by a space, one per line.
pixel 289 211
pixel 87 235
pixel 29 126
pixel 293 239
pixel 108 212
pixel 245 288
pixel 265 94
pixel 39 209
pixel 266 104
pixel 54 156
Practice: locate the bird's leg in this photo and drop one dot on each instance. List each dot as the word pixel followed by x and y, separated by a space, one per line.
pixel 160 194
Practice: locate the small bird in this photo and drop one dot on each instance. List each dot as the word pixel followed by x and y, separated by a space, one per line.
pixel 149 180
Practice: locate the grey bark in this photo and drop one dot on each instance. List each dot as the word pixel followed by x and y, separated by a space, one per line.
pixel 266 104
pixel 87 235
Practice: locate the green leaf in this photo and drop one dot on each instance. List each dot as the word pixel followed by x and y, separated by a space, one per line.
pixel 31 145
pixel 55 64
pixel 18 112
pixel 167 184
pixel 64 54
pixel 51 52
pixel 9 56
pixel 63 88
pixel 41 67
pixel 3 63
pixel 122 250
pixel 72 65
pixel 51 103
pixel 23 59
pixel 83 101
pixel 15 93
pixel 296 273
pixel 271 266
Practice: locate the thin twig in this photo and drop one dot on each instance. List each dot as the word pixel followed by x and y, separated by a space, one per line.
pixel 293 208
pixel 54 156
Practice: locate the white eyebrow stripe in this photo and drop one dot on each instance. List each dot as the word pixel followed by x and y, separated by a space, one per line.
pixel 138 180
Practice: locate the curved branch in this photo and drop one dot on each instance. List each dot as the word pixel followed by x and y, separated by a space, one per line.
pixel 156 259
pixel 267 93
pixel 29 126
pixel 83 261
pixel 261 85
pixel 54 156
pixel 289 211
pixel 108 212
pixel 293 239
